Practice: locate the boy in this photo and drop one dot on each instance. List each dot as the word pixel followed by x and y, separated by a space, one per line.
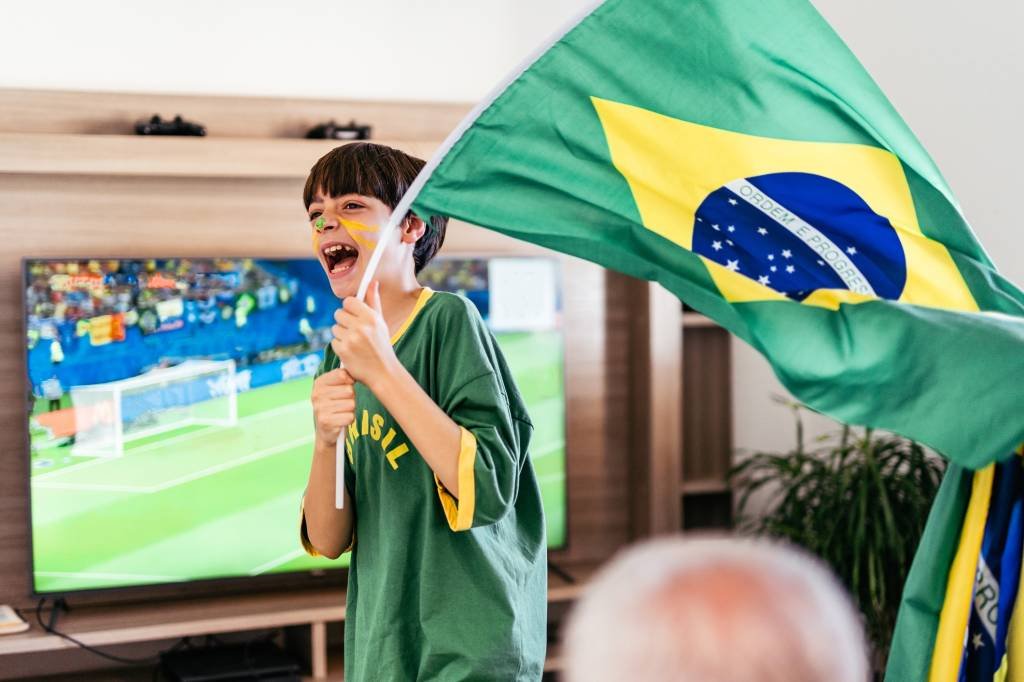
pixel 448 578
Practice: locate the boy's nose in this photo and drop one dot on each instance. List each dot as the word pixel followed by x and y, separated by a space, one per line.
pixel 324 223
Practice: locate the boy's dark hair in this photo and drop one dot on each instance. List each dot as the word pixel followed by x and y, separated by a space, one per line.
pixel 378 171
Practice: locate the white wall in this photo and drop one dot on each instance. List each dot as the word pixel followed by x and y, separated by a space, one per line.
pixel 953 69
pixel 450 50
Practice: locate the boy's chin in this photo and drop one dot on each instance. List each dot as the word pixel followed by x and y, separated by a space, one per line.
pixel 343 289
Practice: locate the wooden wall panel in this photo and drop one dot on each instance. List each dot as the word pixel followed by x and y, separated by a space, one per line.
pixel 652 316
pixel 707 418
pixel 82 212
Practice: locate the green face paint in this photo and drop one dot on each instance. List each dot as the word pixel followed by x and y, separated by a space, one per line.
pixel 319 224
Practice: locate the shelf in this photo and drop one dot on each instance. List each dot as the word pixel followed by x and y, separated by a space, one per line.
pixel 124 624
pixel 691 319
pixel 703 486
pixel 107 625
pixel 159 156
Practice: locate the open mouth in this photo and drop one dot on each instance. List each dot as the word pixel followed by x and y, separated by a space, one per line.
pixel 340 258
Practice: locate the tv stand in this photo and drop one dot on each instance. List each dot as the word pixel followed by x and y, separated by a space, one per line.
pixel 561 572
pixel 230 663
pixel 59 606
pixel 296 609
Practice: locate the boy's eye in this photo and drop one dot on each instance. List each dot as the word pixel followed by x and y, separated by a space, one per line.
pixel 351 205
pixel 314 215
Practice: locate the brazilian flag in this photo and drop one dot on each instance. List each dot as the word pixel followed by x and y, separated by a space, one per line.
pixel 960 618
pixel 738 153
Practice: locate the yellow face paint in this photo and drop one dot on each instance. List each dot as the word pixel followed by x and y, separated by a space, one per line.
pixel 354 229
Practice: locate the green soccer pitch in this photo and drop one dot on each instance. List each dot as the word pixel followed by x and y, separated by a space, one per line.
pixel 213 502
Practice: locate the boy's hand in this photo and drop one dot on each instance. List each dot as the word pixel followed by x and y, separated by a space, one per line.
pixel 361 338
pixel 334 404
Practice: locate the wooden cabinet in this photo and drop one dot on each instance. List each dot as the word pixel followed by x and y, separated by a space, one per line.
pixel 706 501
pixel 680 419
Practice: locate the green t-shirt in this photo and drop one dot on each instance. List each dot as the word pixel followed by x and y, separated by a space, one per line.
pixel 445 589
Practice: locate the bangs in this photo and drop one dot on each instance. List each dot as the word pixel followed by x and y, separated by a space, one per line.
pixel 372 170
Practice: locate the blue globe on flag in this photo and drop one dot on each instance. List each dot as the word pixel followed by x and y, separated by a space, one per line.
pixel 799 232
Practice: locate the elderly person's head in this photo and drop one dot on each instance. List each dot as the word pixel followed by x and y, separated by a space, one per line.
pixel 715 610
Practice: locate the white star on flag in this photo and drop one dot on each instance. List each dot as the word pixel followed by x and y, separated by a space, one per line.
pixel 852 251
pixel 761 231
pixel 976 641
pixel 821 262
pixel 786 253
pixel 763 279
pixel 732 201
pixel 771 256
pixel 715 226
pixel 717 246
pixel 733 265
pixel 790 269
pixel 732 228
pixel 773 268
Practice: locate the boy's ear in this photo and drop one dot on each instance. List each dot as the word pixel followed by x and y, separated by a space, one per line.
pixel 412 229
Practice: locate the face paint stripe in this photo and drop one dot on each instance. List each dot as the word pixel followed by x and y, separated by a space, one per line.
pixel 364 242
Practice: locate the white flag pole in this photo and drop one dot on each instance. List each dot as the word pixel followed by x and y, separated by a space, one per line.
pixel 364 284
pixel 421 179
pixel 371 269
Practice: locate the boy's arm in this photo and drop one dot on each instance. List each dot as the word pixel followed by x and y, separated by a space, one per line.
pixel 323 529
pixel 327 530
pixel 470 441
pixel 363 343
pixel 436 436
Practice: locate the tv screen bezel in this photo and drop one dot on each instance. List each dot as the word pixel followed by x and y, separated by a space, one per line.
pixel 305 579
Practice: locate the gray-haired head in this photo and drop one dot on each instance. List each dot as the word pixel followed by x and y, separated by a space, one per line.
pixel 715 610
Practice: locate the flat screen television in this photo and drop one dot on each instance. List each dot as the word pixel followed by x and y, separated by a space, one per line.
pixel 169 421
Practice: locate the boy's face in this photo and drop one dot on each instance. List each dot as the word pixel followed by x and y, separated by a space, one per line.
pixel 345 231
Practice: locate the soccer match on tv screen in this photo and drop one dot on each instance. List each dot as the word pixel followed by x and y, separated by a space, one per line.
pixel 170 423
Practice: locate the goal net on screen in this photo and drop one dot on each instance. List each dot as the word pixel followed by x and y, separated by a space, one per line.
pixel 108 416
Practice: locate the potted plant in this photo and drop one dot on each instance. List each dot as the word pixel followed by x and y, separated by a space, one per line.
pixel 858 499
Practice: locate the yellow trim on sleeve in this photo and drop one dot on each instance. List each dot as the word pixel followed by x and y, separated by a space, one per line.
pixel 459 513
pixel 949 638
pixel 425 295
pixel 303 533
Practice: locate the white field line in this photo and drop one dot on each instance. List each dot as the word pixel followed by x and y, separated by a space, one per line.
pixel 548 450
pixel 217 468
pixel 283 559
pixel 162 443
pixel 108 576
pixel 71 467
pixel 224 466
pixel 94 487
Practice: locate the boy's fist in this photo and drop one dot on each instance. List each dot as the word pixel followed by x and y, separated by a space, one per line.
pixel 334 404
pixel 361 338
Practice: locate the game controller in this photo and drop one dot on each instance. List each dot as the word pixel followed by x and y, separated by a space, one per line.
pixel 178 126
pixel 333 131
